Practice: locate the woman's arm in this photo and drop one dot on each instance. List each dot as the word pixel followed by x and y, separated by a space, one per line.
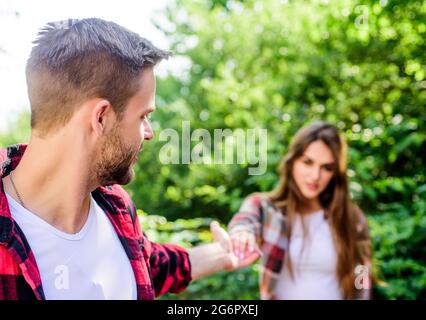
pixel 245 229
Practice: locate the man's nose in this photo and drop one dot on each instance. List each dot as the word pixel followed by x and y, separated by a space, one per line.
pixel 148 133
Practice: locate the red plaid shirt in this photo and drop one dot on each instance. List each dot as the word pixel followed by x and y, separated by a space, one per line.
pixel 158 269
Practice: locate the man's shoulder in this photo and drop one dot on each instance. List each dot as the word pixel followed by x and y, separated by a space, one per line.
pixel 116 190
pixel 8 266
pixel 10 156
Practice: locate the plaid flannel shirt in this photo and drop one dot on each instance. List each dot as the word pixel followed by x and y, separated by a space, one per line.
pixel 158 269
pixel 259 216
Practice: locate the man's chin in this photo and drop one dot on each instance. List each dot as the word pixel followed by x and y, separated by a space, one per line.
pixel 120 179
pixel 127 178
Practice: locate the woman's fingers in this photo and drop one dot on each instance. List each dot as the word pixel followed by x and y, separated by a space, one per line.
pixel 248 260
pixel 251 243
pixel 238 244
pixel 250 252
pixel 254 246
pixel 243 243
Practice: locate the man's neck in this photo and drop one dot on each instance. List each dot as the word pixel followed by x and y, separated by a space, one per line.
pixel 53 183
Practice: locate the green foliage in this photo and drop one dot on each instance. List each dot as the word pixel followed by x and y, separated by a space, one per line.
pixel 309 60
pixel 279 65
pixel 18 131
pixel 399 238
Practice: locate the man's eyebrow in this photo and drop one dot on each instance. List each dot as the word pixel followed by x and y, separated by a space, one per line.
pixel 149 110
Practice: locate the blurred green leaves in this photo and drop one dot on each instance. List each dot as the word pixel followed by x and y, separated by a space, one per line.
pixel 281 64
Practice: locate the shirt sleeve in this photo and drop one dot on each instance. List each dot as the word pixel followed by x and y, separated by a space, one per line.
pixel 249 217
pixel 170 268
pixel 169 264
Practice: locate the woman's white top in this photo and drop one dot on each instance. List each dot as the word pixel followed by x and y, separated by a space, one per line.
pixel 314 267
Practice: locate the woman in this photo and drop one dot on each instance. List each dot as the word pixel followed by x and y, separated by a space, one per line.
pixel 313 240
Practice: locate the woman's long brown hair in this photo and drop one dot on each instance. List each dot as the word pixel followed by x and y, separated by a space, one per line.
pixel 334 199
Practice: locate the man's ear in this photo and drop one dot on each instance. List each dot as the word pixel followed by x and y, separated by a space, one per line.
pixel 102 117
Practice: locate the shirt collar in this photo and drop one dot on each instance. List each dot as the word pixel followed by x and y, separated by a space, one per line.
pixel 9 159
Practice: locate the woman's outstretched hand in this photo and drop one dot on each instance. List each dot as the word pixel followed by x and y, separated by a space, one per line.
pixel 242 247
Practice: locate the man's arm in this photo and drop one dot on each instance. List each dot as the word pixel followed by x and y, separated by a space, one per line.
pixel 208 259
pixel 173 267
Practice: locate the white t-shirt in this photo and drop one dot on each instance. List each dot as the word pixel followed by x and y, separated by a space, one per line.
pixel 90 264
pixel 314 268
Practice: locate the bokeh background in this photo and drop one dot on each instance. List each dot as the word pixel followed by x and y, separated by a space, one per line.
pixel 280 65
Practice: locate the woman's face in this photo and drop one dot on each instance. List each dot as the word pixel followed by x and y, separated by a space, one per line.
pixel 314 169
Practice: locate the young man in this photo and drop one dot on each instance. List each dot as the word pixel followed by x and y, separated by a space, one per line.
pixel 67 228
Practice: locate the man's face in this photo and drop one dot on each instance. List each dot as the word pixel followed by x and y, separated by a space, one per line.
pixel 119 148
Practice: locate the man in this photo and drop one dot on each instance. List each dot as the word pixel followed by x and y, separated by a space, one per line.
pixel 67 228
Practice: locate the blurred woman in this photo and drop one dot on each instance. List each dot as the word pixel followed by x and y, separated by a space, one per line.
pixel 312 239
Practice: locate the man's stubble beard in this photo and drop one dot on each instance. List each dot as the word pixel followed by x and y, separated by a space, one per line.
pixel 114 161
